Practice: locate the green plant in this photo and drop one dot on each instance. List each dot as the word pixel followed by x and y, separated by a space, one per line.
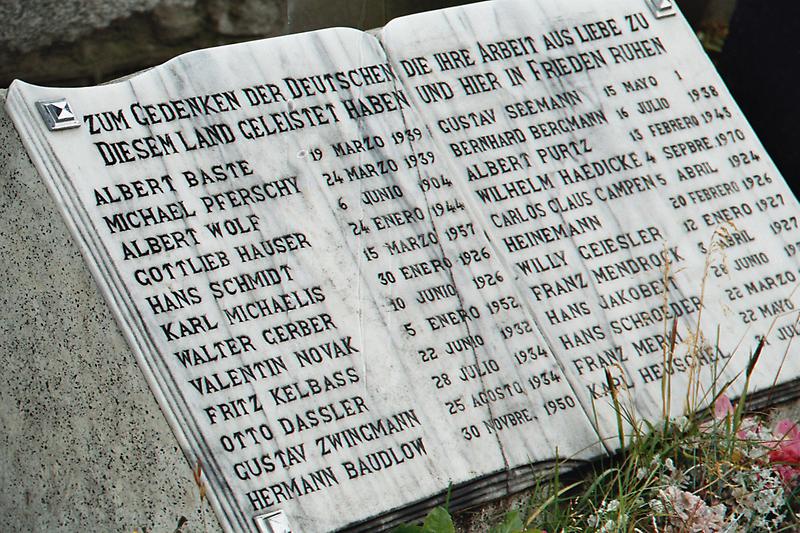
pixel 715 468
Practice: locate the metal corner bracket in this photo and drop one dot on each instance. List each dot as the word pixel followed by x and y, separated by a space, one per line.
pixel 276 522
pixel 57 114
pixel 661 8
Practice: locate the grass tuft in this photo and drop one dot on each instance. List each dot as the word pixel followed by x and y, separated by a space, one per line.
pixel 713 469
pixel 718 470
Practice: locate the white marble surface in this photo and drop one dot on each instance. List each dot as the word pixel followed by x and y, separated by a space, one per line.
pixel 657 157
pixel 329 313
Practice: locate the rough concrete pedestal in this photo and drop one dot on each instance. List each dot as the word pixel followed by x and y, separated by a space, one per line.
pixel 84 445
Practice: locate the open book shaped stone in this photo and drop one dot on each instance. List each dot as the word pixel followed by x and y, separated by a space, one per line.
pixel 364 274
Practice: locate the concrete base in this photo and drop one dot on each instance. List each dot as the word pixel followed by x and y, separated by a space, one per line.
pixel 84 444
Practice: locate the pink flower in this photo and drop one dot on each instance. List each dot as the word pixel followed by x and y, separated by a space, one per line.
pixel 787 428
pixel 786 452
pixel 723 408
pixel 750 429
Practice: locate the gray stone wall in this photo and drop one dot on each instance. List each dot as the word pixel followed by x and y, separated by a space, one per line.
pixel 85 42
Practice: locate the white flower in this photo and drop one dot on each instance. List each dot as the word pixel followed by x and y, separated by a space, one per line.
pixel 760 499
pixel 682 422
pixel 606 515
pixel 657 506
pixel 609 526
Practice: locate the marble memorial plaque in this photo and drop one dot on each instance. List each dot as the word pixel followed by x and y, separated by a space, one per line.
pixel 620 185
pixel 358 272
